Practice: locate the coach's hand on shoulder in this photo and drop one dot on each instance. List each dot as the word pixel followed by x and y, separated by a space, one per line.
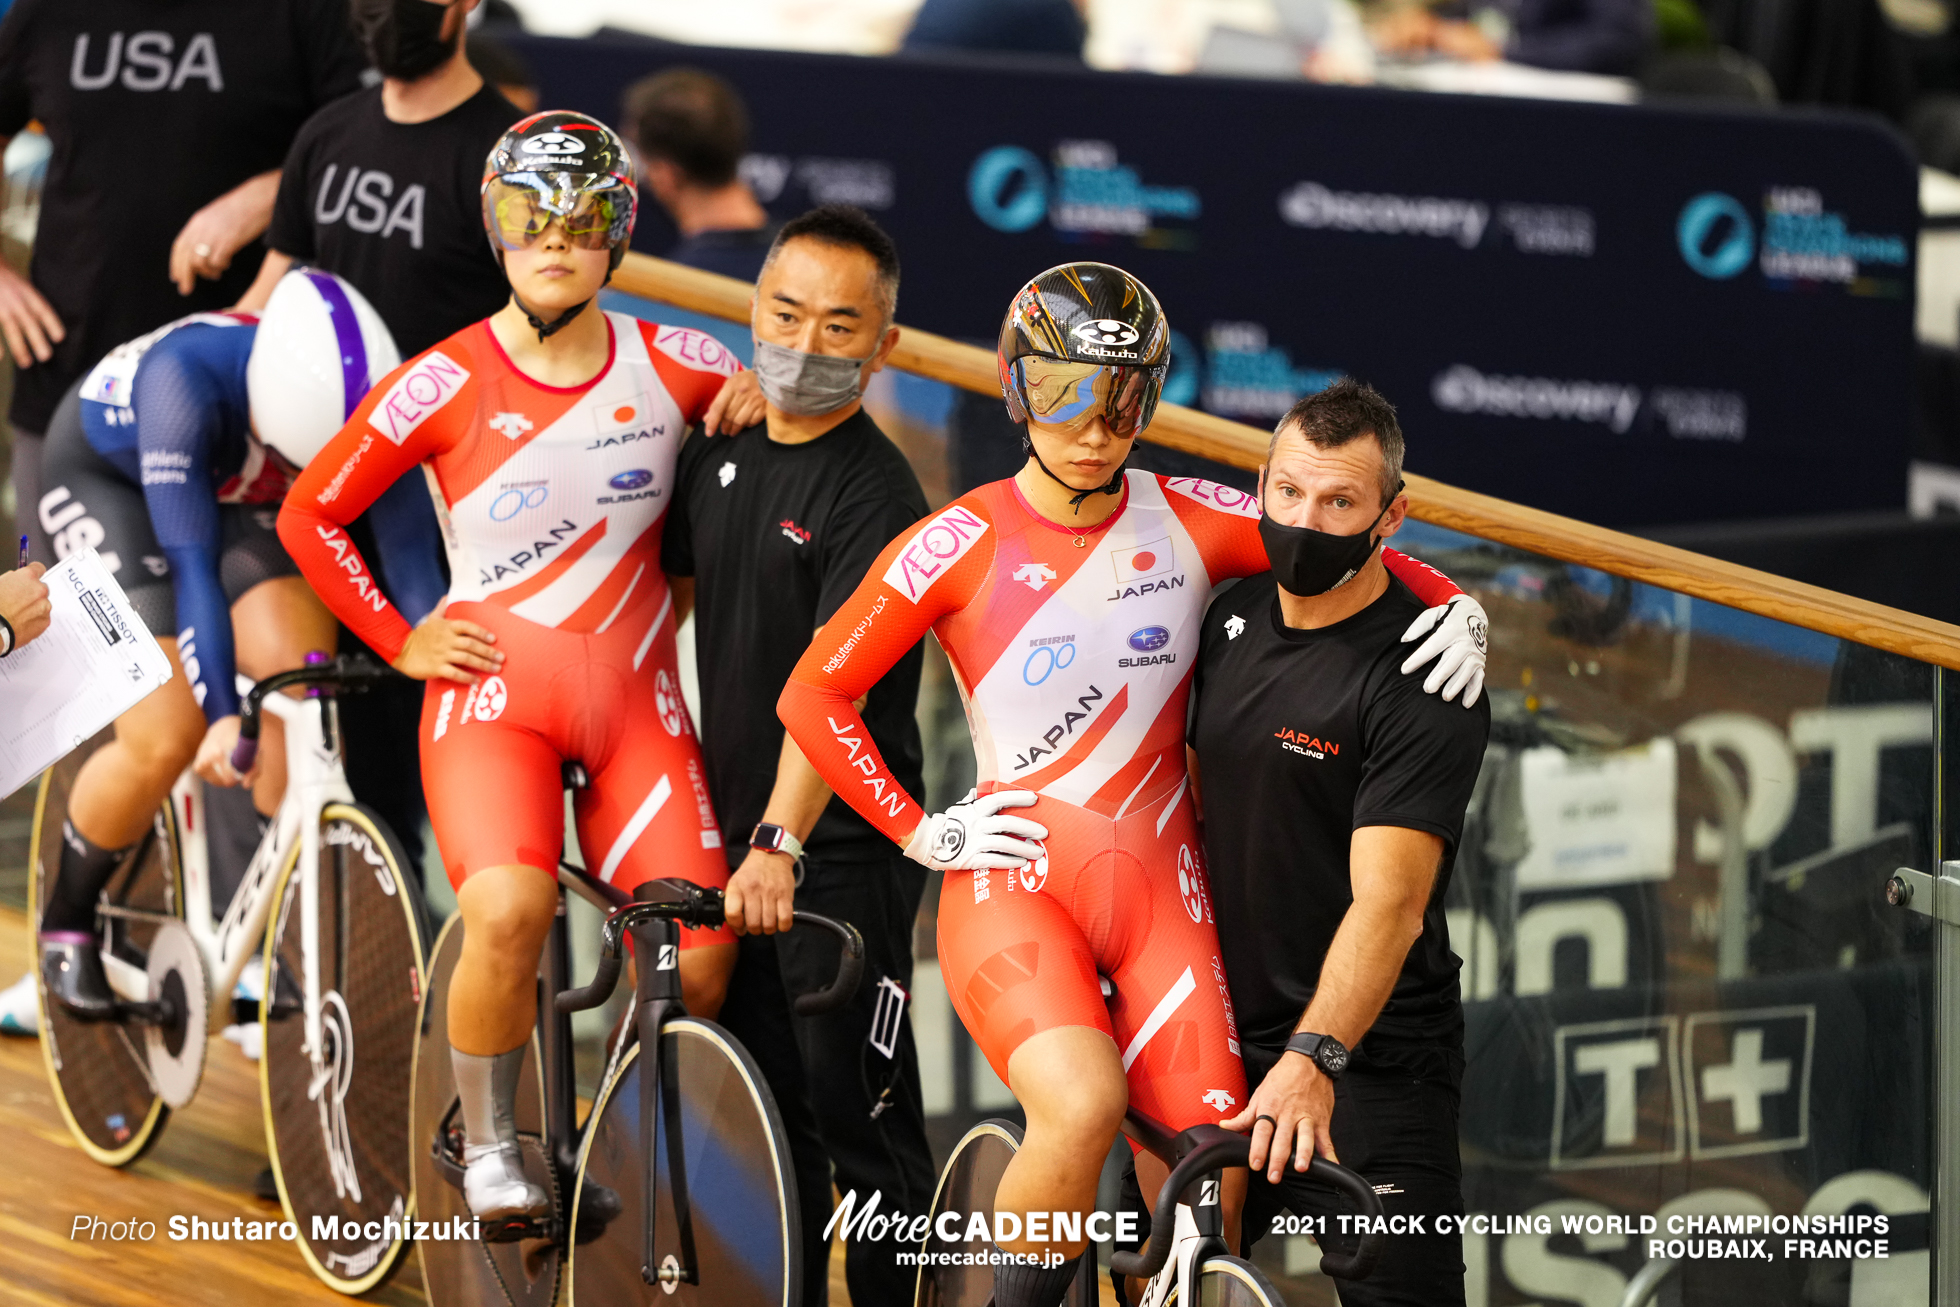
pixel 213 761
pixel 737 407
pixel 1459 640
pixel 1288 1118
pixel 974 833
pixel 449 650
pixel 761 895
pixel 24 602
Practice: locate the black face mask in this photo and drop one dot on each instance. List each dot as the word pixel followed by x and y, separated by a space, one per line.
pixel 403 38
pixel 1307 562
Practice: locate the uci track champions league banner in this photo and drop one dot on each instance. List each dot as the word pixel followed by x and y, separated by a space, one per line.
pixel 1634 316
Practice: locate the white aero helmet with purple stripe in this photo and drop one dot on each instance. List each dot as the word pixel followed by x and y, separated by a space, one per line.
pixel 320 348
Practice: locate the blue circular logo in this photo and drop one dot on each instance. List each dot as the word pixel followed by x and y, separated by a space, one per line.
pixel 1187 372
pixel 1712 247
pixel 1008 188
pixel 515 500
pixel 1044 660
pixel 1149 638
pixel 633 480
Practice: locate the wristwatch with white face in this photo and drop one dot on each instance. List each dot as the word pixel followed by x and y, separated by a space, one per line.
pixel 1325 1051
pixel 771 838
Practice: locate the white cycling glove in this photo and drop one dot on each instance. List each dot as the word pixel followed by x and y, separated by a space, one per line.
pixel 1459 638
pixel 973 834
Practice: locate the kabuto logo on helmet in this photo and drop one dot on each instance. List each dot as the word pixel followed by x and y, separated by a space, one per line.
pixel 553 143
pixel 1106 331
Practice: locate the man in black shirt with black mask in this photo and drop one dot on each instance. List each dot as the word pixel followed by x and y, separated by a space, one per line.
pixel 777 525
pixel 1334 792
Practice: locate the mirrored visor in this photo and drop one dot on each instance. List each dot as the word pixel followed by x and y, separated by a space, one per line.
pixel 1060 393
pixel 518 207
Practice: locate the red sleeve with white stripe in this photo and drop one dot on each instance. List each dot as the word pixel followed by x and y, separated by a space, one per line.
pixel 930 570
pixel 414 413
pixel 692 365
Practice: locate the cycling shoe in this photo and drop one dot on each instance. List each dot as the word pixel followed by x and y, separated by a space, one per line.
pixel 495 1187
pixel 71 968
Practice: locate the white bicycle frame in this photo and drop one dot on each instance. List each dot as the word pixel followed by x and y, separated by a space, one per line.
pixel 314 779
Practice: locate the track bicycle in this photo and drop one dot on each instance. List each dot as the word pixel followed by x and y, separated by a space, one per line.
pixel 325 906
pixel 712 1219
pixel 1185 1258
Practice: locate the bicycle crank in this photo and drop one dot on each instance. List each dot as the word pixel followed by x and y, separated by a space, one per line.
pixel 176 1022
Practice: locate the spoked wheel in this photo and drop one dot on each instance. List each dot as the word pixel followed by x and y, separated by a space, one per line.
pixel 740 1187
pixel 1231 1282
pixel 464 1271
pixel 967 1185
pixel 336 1126
pixel 100 1070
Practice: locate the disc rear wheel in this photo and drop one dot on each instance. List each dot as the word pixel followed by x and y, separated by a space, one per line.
pixel 955 1272
pixel 100 1070
pixel 337 1124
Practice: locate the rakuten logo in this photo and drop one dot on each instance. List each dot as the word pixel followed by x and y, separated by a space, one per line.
pixel 1463 389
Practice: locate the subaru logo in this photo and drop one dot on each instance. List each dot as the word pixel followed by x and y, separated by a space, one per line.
pixel 1715 236
pixel 1149 638
pixel 633 480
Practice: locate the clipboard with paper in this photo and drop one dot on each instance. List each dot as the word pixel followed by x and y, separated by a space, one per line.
pixel 95 661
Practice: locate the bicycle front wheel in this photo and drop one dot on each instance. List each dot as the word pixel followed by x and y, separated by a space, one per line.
pixel 99 1070
pixel 741 1190
pixel 1231 1282
pixel 336 1125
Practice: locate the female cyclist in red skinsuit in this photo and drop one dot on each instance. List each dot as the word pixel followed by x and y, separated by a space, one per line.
pixel 550 447
pixel 1068 600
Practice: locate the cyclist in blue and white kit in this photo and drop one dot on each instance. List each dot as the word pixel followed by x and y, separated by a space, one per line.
pixel 170 459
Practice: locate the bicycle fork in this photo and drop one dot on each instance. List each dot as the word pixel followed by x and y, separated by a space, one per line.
pixel 658 984
pixel 1200 1234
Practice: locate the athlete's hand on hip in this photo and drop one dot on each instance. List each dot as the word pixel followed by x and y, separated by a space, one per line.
pixel 974 833
pixel 738 406
pixel 761 895
pixel 213 762
pixel 1288 1118
pixel 1459 639
pixel 27 321
pixel 450 650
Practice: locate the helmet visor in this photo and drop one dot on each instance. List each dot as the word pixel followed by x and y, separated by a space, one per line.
pixel 1061 393
pixel 596 212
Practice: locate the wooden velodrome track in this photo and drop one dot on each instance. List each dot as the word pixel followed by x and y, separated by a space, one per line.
pixel 202 1166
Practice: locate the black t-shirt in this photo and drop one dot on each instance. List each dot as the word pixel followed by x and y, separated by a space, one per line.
pixel 777 537
pixel 735 252
pixel 393 207
pixel 154 110
pixel 1302 738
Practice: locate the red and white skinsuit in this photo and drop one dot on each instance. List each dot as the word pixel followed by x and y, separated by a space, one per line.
pixel 552 501
pixel 1073 651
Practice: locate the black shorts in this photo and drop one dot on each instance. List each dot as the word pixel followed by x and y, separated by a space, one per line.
pixel 86 501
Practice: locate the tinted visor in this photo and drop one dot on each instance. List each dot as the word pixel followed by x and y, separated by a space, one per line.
pixel 1060 393
pixel 596 211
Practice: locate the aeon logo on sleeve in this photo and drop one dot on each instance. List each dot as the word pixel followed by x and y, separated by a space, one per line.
pixel 416 394
pixel 935 548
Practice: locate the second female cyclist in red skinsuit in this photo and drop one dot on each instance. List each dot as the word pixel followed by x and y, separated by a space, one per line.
pixel 549 434
pixel 1071 636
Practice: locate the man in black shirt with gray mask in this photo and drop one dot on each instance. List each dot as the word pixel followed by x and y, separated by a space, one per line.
pixel 1334 789
pixel 777 525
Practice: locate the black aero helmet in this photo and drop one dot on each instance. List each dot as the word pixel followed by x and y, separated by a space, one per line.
pixel 1108 329
pixel 562 165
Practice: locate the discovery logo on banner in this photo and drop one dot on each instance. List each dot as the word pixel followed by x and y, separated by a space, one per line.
pixel 1527 228
pixel 1090 192
pixel 1801 243
pixel 1686 414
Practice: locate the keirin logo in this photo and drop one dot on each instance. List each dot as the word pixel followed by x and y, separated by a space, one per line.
pixel 667 698
pixel 1191 884
pixel 1031 876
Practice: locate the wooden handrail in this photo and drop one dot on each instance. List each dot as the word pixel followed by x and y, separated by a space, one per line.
pixel 1548 534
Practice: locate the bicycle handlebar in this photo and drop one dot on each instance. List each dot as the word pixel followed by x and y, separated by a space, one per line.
pixel 348 672
pixel 699 907
pixel 1209 1147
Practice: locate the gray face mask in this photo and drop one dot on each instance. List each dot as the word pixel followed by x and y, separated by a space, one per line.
pixel 808 385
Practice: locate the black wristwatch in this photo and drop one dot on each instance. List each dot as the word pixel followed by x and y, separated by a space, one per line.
pixel 771 838
pixel 1325 1051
